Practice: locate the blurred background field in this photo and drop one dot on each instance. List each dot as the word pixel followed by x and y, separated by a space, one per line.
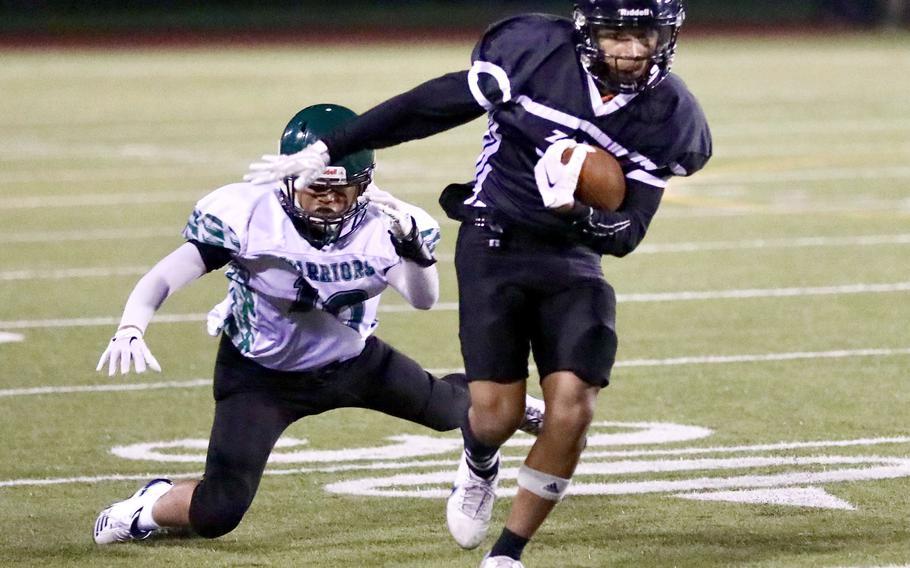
pixel 768 304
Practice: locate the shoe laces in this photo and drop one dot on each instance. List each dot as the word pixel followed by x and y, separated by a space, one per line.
pixel 476 495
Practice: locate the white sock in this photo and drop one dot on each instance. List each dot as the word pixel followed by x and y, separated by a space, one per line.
pixel 146 522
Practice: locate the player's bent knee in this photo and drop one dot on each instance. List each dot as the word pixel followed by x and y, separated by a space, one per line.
pixel 570 419
pixel 544 485
pixel 498 425
pixel 218 506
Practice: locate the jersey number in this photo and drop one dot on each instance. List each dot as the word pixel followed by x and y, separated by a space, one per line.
pixel 308 299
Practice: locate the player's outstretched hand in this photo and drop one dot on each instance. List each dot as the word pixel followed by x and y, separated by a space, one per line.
pixel 406 238
pixel 400 222
pixel 306 165
pixel 126 349
pixel 557 181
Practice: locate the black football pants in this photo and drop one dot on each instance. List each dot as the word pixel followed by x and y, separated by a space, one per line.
pixel 254 405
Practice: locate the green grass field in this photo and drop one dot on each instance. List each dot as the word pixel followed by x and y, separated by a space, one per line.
pixel 759 413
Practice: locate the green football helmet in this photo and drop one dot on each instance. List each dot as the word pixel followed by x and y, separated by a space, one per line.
pixel 308 126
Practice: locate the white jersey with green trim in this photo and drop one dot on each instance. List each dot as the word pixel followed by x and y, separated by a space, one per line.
pixel 292 306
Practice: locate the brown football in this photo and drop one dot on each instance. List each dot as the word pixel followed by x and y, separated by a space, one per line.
pixel 601 183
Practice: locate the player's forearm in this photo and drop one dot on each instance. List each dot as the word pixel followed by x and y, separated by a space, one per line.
pixel 418 285
pixel 430 108
pixel 170 274
pixel 618 233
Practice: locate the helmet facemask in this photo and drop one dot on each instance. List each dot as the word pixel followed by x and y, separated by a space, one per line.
pixel 318 223
pixel 641 49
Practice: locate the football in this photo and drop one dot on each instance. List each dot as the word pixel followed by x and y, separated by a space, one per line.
pixel 602 183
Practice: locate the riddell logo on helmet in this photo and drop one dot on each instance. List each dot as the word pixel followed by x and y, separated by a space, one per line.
pixel 634 12
pixel 334 173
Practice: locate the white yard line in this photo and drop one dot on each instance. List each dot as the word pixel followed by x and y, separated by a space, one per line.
pixel 453 306
pixel 100 199
pixel 656 248
pixel 796 242
pixel 381 465
pixel 70 273
pixel 191 195
pixel 89 235
pixel 768 357
pixel 119 384
pixel 764 293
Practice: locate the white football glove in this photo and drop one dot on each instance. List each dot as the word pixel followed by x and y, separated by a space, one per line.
pixel 307 164
pixel 127 347
pixel 556 181
pixel 400 222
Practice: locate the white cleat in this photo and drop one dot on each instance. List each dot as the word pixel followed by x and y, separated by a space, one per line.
pixel 500 562
pixel 470 506
pixel 118 522
pixel 534 413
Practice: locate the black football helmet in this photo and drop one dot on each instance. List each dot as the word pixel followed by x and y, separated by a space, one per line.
pixel 306 127
pixel 596 18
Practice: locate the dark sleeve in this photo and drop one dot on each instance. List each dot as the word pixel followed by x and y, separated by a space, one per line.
pixel 617 233
pixel 214 257
pixel 430 108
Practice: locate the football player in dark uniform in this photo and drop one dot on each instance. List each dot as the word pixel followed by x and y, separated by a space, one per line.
pixel 528 254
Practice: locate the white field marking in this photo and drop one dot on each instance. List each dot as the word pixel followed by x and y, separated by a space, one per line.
pixel 763 358
pixel 764 293
pixel 809 127
pixel 89 235
pixel 655 248
pixel 422 484
pixel 100 199
pixel 414 446
pixel 189 195
pixel 11 337
pixel 814 497
pixel 750 293
pixel 113 387
pixel 805 175
pixel 120 386
pixel 448 463
pixel 97 175
pixel 71 273
pixel 796 242
pixel 699 360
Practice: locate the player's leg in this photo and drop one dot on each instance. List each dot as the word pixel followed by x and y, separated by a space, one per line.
pixel 251 412
pixel 384 379
pixel 548 468
pixel 575 331
pixel 494 325
pixel 244 430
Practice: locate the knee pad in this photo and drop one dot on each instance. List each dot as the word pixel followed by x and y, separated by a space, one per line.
pixel 542 484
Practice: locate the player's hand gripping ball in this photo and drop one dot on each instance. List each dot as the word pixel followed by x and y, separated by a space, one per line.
pixel 602 183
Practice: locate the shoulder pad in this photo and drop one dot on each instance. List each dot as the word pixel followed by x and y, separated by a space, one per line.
pixel 674 128
pixel 511 51
pixel 222 217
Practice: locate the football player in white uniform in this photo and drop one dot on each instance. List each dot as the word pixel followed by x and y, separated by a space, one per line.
pixel 306 270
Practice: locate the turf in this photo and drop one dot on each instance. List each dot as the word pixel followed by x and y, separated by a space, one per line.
pixel 793 244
